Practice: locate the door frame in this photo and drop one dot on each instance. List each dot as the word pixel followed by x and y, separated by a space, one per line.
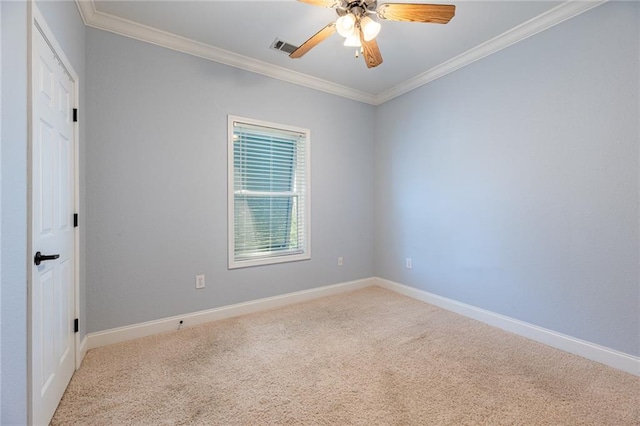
pixel 38 23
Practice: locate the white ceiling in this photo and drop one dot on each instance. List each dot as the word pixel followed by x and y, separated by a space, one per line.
pixel 410 50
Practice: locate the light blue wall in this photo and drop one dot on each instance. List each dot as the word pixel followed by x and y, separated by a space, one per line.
pixel 14 213
pixel 157 182
pixel 513 183
pixel 64 19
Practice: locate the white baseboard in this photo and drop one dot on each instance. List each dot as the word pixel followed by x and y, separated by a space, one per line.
pixel 82 351
pixel 592 351
pixel 121 334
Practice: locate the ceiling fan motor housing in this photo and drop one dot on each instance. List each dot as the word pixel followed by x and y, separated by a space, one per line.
pixel 359 8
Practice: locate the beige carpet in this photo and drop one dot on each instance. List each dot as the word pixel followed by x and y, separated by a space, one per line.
pixel 369 357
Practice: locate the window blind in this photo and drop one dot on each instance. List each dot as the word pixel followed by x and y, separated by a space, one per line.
pixel 269 192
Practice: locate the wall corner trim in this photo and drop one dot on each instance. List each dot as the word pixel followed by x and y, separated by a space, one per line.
pixel 107 22
pixel 555 16
pixel 135 331
pixel 124 27
pixel 610 357
pixel 87 9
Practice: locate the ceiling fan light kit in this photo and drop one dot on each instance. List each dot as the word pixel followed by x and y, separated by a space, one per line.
pixel 370 28
pixel 353 40
pixel 346 25
pixel 359 30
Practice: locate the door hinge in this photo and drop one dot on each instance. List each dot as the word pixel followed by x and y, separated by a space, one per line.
pixel 75 115
pixel 75 220
pixel 76 326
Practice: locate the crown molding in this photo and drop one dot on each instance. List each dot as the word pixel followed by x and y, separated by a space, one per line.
pixel 87 9
pixel 525 30
pixel 104 21
pixel 107 22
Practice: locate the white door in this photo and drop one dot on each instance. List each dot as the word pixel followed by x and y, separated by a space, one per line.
pixel 53 287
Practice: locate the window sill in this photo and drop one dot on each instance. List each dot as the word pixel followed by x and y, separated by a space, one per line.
pixel 237 264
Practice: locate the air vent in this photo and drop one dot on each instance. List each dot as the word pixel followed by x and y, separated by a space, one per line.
pixel 283 46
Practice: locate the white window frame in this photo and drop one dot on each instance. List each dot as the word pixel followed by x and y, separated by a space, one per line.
pixel 275 258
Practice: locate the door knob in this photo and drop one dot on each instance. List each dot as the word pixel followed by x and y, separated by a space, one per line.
pixel 42 257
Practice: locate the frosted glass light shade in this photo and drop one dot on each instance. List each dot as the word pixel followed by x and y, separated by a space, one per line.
pixel 346 24
pixel 353 40
pixel 370 28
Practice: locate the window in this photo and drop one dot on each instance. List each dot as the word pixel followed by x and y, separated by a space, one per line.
pixel 268 193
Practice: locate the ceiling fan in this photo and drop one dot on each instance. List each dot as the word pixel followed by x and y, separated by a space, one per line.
pixel 360 31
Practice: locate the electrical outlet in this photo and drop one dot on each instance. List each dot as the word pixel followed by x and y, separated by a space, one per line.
pixel 408 263
pixel 340 261
pixel 199 281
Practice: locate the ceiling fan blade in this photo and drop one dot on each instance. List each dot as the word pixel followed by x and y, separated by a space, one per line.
pixel 314 40
pixel 321 3
pixel 372 55
pixel 432 13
